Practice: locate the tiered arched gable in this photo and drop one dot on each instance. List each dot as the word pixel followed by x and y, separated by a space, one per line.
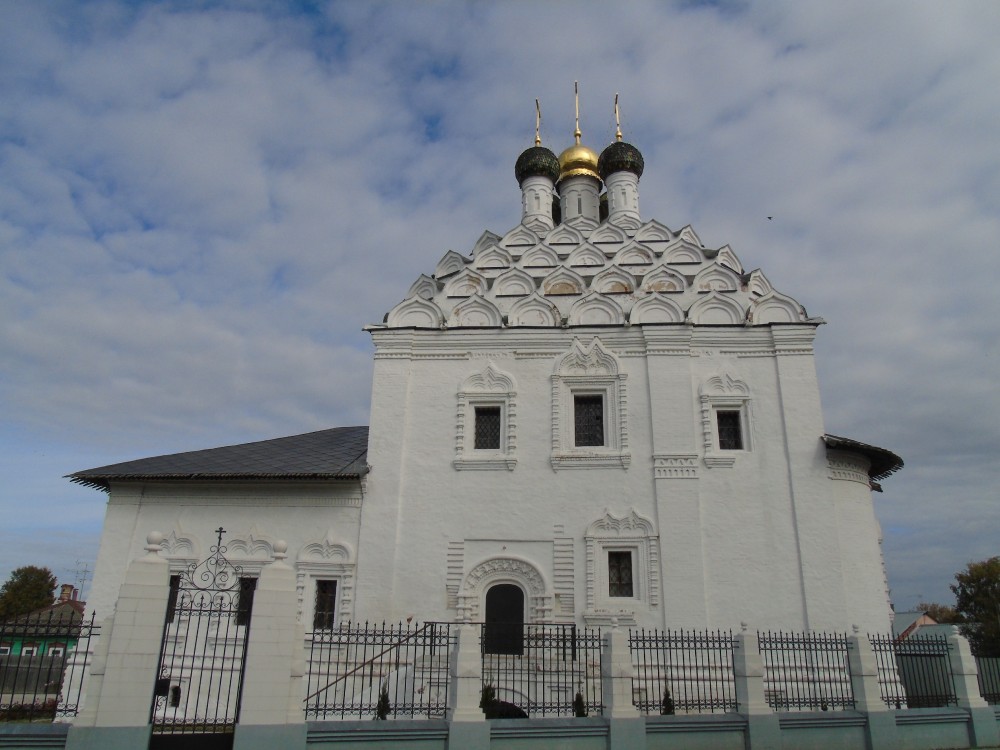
pixel 450 263
pixel 727 258
pixel 608 233
pixel 776 308
pixel 664 279
pixel 534 311
pixel 653 231
pixel 595 310
pixel 682 252
pixel 717 278
pixel 492 258
pixel 758 285
pixel 465 284
pixel 586 256
pixel 475 312
pixel 656 308
pixel 513 283
pixel 689 235
pixel 564 234
pixel 486 240
pixel 634 254
pixel 540 256
pixel 424 287
pixel 563 281
pixel 415 313
pixel 716 308
pixel 519 236
pixel 613 280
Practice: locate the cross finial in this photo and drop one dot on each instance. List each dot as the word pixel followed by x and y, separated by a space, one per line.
pixel 618 121
pixel 220 531
pixel 538 123
pixel 576 96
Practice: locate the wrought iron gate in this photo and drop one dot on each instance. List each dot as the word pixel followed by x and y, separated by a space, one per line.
pixel 196 701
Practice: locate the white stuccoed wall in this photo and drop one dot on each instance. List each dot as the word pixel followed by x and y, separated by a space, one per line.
pixel 771 540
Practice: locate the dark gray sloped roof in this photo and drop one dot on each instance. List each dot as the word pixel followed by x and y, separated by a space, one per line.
pixel 338 453
pixel 883 462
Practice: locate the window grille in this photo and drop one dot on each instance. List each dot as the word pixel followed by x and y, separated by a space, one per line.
pixel 588 420
pixel 487 428
pixel 245 603
pixel 730 430
pixel 620 574
pixel 326 605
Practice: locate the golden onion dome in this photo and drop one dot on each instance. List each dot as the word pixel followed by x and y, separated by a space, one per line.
pixel 578 160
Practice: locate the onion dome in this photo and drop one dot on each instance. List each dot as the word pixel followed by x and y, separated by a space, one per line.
pixel 537 161
pixel 578 160
pixel 620 157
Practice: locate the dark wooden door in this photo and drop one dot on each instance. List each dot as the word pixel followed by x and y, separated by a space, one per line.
pixel 504 632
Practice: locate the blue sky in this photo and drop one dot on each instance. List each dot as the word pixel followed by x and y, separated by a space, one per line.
pixel 201 204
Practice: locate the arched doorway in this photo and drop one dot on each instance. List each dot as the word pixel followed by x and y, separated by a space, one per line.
pixel 504 630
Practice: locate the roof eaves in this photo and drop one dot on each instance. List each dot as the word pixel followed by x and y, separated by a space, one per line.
pixel 883 462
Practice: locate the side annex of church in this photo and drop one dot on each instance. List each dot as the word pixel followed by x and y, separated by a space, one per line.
pixel 590 419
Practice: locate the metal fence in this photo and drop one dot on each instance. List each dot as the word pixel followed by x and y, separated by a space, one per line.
pixel 537 670
pixel 682 672
pixel 379 671
pixel 914 672
pixel 806 671
pixel 44 658
pixel 988 668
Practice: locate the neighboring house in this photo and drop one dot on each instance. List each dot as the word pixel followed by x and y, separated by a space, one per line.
pixel 48 631
pixel 591 418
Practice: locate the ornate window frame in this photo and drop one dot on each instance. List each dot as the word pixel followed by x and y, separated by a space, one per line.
pixel 491 387
pixel 518 571
pixel 325 560
pixel 724 393
pixel 629 533
pixel 590 370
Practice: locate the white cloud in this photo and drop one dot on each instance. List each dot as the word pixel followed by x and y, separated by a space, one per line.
pixel 200 208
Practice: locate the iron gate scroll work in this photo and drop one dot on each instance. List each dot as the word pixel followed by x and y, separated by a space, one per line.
pixel 196 701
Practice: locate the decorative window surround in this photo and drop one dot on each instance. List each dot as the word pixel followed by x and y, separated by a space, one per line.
pixel 489 388
pixel 723 393
pixel 630 533
pixel 513 570
pixel 325 560
pixel 590 370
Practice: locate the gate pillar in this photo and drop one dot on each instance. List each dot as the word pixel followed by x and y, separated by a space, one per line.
pixel 272 713
pixel 119 687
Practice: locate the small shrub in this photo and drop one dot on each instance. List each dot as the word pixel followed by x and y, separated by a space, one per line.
pixel 383 707
pixel 488 699
pixel 579 707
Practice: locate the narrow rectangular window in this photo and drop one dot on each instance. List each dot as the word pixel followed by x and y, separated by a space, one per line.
pixel 175 585
pixel 325 614
pixel 730 430
pixel 620 574
pixel 487 428
pixel 244 606
pixel 588 420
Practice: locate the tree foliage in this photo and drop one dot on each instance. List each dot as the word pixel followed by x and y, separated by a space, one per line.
pixel 940 613
pixel 977 601
pixel 28 588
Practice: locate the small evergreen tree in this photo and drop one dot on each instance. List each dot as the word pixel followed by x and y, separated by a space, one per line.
pixel 666 703
pixel 383 707
pixel 579 707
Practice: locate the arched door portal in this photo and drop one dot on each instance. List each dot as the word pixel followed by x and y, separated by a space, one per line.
pixel 504 631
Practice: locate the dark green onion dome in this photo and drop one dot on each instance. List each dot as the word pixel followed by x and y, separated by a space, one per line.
pixel 620 157
pixel 537 161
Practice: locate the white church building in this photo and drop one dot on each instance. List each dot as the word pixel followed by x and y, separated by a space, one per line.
pixel 591 418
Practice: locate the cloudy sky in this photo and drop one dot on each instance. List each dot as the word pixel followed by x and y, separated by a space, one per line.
pixel 202 203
